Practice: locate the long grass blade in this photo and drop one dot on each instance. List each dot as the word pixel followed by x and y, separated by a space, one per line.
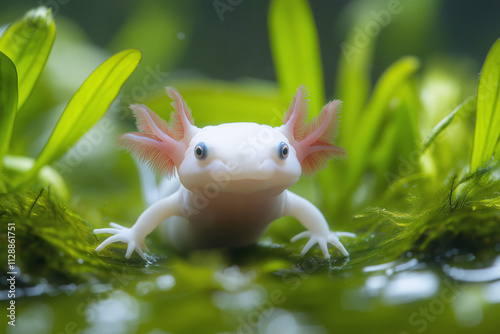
pixel 27 42
pixel 467 105
pixel 371 120
pixel 88 105
pixel 295 48
pixel 487 130
pixel 353 81
pixel 8 103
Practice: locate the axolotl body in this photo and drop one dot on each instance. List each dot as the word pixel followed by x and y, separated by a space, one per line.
pixel 233 177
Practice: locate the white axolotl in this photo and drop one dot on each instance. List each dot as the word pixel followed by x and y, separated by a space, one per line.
pixel 233 177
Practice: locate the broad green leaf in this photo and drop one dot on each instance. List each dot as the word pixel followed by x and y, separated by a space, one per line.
pixel 214 102
pixel 487 129
pixel 88 105
pixel 27 43
pixel 8 103
pixel 295 48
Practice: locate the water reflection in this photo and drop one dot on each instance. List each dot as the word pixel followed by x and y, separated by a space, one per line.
pixel 396 284
pixel 433 291
pixel 165 282
pixel 145 287
pixel 406 287
pixel 391 267
pixel 36 319
pixel 115 315
pixel 291 323
pixel 375 284
pixel 233 279
pixel 242 300
pixel 256 309
pixel 392 283
pixel 379 267
pixel 491 292
pixel 468 308
pixel 475 275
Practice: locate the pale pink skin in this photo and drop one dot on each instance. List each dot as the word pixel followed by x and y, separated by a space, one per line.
pixel 229 195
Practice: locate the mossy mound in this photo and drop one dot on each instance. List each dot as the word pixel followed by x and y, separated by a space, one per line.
pixel 52 242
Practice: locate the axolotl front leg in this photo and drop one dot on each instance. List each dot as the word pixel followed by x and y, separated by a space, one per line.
pixel 313 220
pixel 134 236
pixel 295 206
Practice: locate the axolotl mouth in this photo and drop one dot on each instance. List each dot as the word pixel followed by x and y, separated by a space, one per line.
pixel 241 178
pixel 258 187
pixel 261 176
pixel 264 170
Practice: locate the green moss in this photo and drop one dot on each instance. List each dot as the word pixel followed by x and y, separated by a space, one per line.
pixel 463 217
pixel 52 242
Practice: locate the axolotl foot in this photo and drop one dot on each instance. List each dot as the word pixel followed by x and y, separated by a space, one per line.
pixel 323 241
pixel 125 235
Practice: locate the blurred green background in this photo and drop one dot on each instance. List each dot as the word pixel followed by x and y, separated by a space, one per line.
pixel 239 46
pixel 426 257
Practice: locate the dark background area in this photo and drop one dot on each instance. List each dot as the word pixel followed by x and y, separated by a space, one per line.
pixel 239 47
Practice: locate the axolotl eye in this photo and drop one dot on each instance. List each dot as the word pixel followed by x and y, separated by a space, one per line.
pixel 283 150
pixel 200 151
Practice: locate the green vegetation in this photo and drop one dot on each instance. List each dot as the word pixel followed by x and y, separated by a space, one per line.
pixel 488 110
pixel 420 186
pixel 24 49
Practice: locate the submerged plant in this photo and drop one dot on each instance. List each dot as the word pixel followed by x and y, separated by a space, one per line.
pixel 389 149
pixel 462 214
pixel 488 110
pixel 419 187
pixel 24 49
pixel 379 129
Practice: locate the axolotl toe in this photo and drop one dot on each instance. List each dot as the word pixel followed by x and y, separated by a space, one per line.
pixel 233 177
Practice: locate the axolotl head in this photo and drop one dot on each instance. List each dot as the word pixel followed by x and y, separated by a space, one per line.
pixel 235 157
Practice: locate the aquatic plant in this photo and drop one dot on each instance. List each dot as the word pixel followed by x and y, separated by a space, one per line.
pixel 24 49
pixel 419 187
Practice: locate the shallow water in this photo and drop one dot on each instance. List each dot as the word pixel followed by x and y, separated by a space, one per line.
pixel 214 293
pixel 389 284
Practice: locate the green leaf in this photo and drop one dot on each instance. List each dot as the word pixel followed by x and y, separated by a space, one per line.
pixel 214 101
pixel 371 121
pixel 8 103
pixel 468 105
pixel 395 151
pixel 295 48
pixel 353 80
pixel 27 42
pixel 88 105
pixel 487 129
pixel 408 120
